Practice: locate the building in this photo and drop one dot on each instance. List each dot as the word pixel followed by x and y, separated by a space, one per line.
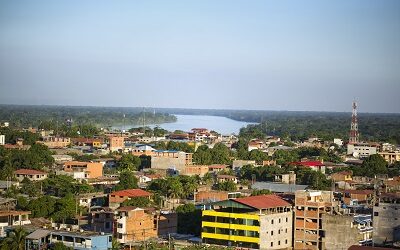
pixel 387 219
pixel 289 178
pixel 31 174
pixel 116 198
pixel 83 240
pixel 390 156
pixel 342 176
pixel 213 195
pixel 238 164
pixel 91 142
pixel 60 159
pixel 116 143
pixel 169 159
pixel 102 221
pixel 14 218
pixel 224 177
pixel 362 150
pixel 314 165
pixel 350 197
pixel 56 142
pixel 192 170
pixel 260 222
pixel 82 170
pixel 137 224
pixel 343 231
pixel 309 208
pixel 338 142
pixel 2 139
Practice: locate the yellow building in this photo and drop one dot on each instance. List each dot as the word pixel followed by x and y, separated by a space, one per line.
pixel 260 222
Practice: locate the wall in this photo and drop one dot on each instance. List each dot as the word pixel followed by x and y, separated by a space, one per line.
pixel 282 231
pixel 386 218
pixel 339 233
pixel 167 162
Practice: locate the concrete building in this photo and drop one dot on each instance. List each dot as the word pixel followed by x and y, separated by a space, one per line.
pixel 199 170
pixel 338 141
pixel 387 219
pixel 224 177
pixel 41 238
pixel 390 156
pixel 238 164
pixel 362 150
pixel 343 231
pixel 2 139
pixel 56 142
pixel 309 208
pixel 31 174
pixel 83 170
pixel 260 222
pixel 60 159
pixel 116 198
pixel 169 159
pixel 314 165
pixel 116 143
pixel 14 218
pixel 136 224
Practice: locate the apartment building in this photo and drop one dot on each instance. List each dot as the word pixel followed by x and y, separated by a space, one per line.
pixel 169 159
pixel 83 170
pixel 309 208
pixel 260 222
pixel 387 219
pixel 56 141
pixel 137 224
pixel 192 170
pixel 390 156
pixel 362 150
pixel 31 174
pixel 116 143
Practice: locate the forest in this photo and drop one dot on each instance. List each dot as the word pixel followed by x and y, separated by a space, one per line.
pixel 45 116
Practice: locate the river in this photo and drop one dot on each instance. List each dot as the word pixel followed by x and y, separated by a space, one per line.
pixel 220 124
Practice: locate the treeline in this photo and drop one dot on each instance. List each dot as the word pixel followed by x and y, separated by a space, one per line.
pixel 25 115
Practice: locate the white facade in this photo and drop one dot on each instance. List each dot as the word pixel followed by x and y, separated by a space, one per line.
pixel 361 150
pixel 2 139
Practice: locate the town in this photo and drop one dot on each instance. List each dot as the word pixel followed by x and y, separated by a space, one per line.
pixel 149 188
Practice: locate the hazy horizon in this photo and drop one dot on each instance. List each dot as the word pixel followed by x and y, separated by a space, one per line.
pixel 241 55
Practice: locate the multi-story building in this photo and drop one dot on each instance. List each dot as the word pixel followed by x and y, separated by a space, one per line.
pixel 116 198
pixel 56 142
pixel 116 143
pixel 83 170
pixel 390 156
pixel 362 150
pixel 260 222
pixel 387 219
pixel 136 224
pixel 168 159
pixel 309 208
pixel 342 231
pixel 31 174
pixel 2 139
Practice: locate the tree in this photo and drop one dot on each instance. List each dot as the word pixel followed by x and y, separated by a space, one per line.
pixel 127 180
pixel 256 192
pixel 373 165
pixel 137 202
pixel 220 154
pixel 128 162
pixel 115 245
pixel 202 156
pixel 189 219
pixel 60 246
pixel 65 208
pixel 190 184
pixel 226 186
pixel 29 187
pixel 258 156
pixel 175 188
pixel 15 240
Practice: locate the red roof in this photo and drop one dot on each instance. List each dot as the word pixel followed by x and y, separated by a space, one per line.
pixel 307 163
pixel 263 201
pixel 365 191
pixel 132 193
pixel 28 171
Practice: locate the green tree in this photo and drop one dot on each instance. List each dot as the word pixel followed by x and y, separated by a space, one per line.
pixel 256 192
pixel 203 156
pixel 137 202
pixel 127 180
pixel 65 208
pixel 258 156
pixel 189 219
pixel 128 162
pixel 15 240
pixel 60 246
pixel 373 165
pixel 226 186
pixel 220 154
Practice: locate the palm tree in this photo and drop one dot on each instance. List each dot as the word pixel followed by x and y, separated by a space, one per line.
pixel 115 245
pixel 15 240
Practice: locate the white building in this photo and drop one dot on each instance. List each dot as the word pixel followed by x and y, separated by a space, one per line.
pixel 2 139
pixel 338 141
pixel 362 150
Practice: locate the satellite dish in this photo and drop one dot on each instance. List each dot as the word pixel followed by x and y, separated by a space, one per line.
pixel 355 154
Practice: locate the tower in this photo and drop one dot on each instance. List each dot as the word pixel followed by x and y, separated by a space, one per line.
pixel 353 136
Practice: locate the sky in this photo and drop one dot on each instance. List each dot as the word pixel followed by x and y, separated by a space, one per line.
pixel 267 55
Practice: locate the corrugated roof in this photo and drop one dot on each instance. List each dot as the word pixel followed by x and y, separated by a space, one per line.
pixel 132 193
pixel 263 201
pixel 38 234
pixel 307 163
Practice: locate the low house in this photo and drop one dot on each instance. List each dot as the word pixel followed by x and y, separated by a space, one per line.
pixel 342 176
pixel 14 218
pixel 314 165
pixel 360 196
pixel 116 198
pixel 31 174
pixel 192 170
pixel 83 170
pixel 82 240
pixel 224 177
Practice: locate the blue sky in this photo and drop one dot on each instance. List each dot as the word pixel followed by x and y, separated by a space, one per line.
pixel 272 55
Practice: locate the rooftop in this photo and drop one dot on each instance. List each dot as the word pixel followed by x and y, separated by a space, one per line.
pixel 131 193
pixel 263 201
pixel 28 171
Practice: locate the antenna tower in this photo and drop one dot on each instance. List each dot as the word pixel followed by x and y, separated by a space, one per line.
pixel 353 138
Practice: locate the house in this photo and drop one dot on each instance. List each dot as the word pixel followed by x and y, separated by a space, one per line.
pixel 360 196
pixel 314 165
pixel 31 174
pixel 390 156
pixel 117 197
pixel 137 224
pixel 55 141
pixel 2 139
pixel 255 144
pixel 257 222
pixel 362 150
pixel 91 142
pixel 170 159
pixel 213 196
pixel 116 143
pixel 342 176
pixel 225 177
pixel 82 240
pixel 238 164
pixel 14 218
pixel 83 170
pixel 60 159
pixel 192 170
pixel 215 168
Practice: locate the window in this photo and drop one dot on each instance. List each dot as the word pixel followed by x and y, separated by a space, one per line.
pixel 279 242
pixel 279 231
pixel 107 215
pixel 285 230
pixel 272 244
pixel 376 213
pixel 108 225
pixel 285 241
pixel 279 220
pixel 119 236
pixel 96 216
pixel 286 219
pixel 272 232
pixel 272 222
pixel 109 239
